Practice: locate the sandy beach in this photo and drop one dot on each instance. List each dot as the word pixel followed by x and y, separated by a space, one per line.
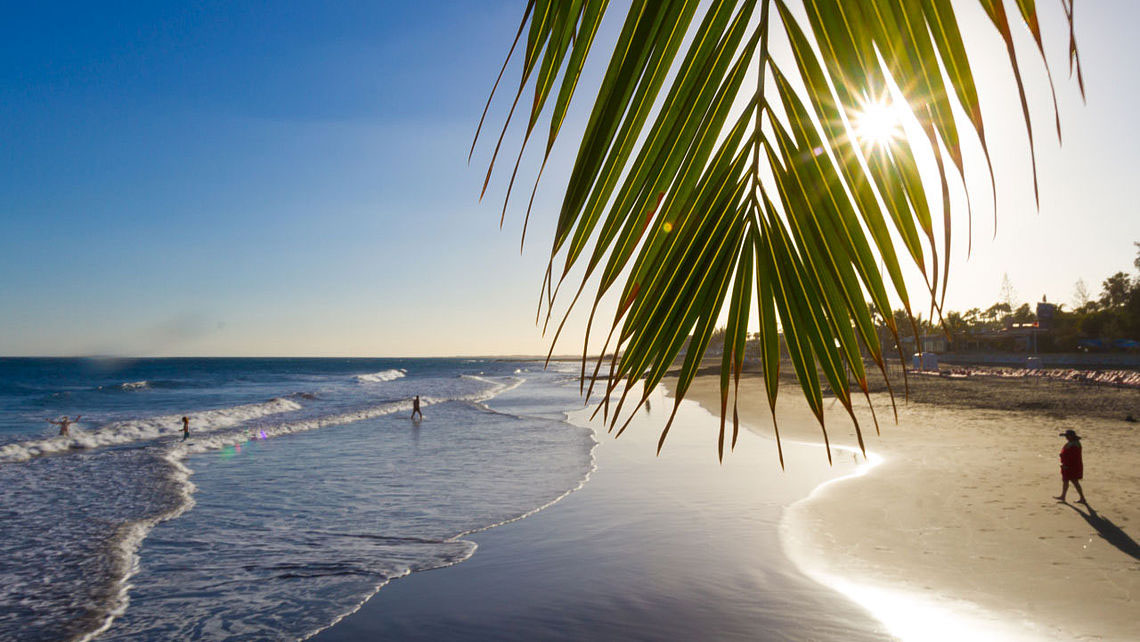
pixel 956 530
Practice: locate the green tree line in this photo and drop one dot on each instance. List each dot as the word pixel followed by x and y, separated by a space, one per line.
pixel 1110 321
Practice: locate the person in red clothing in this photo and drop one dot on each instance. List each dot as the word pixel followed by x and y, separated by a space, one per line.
pixel 1072 467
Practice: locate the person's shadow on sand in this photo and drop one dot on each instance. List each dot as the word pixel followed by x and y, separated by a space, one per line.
pixel 1110 532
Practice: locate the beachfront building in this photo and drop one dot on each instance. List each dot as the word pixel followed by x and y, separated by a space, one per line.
pixel 1016 338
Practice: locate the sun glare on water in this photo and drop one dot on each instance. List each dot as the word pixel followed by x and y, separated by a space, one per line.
pixel 877 124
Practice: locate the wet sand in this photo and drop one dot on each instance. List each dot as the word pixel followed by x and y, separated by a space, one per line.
pixel 956 531
pixel 676 547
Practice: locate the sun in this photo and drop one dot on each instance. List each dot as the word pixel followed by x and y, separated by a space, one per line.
pixel 877 123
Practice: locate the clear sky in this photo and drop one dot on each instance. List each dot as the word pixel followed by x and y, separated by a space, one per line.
pixel 291 178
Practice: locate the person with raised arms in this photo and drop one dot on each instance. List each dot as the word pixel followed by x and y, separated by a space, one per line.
pixel 65 424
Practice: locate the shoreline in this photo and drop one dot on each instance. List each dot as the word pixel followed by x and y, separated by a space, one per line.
pixel 671 547
pixel 465 537
pixel 956 524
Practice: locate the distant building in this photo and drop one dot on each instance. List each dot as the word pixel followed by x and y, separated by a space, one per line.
pixel 1019 337
pixel 1045 313
pixel 935 342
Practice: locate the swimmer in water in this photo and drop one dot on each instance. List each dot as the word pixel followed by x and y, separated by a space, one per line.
pixel 416 408
pixel 65 424
pixel 185 428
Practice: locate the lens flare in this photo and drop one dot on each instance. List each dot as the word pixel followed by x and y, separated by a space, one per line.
pixel 877 124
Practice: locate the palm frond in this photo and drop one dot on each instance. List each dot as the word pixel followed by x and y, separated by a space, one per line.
pixel 697 196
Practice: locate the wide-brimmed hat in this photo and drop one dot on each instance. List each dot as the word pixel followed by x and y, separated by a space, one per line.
pixel 1071 434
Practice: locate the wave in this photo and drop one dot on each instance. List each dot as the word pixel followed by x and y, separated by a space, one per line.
pixel 217 441
pixel 128 539
pixel 220 440
pixel 146 384
pixel 220 429
pixel 382 376
pixel 136 430
pixel 459 538
pixel 495 390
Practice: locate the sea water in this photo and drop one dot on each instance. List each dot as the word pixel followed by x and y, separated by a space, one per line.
pixel 304 486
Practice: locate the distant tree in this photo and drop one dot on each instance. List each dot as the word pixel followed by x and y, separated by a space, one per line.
pixel 1024 315
pixel 902 322
pixel 972 316
pixel 716 339
pixel 1131 312
pixel 1081 296
pixel 1136 261
pixel 1117 289
pixel 954 322
pixel 997 313
pixel 1008 295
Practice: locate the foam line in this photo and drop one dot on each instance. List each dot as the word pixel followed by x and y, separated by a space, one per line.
pixel 380 377
pixel 131 535
pixel 137 430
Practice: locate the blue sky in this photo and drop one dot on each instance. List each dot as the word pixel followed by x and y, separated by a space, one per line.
pixel 290 178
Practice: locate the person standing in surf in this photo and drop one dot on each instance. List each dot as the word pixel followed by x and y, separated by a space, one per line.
pixel 416 408
pixel 65 424
pixel 185 428
pixel 1072 466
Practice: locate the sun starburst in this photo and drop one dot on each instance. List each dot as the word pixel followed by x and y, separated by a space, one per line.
pixel 877 124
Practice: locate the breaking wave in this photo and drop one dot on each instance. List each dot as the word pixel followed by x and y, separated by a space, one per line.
pixel 380 377
pixel 137 430
pixel 211 430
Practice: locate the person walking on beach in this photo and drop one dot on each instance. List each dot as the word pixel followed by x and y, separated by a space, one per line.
pixel 416 408
pixel 1072 466
pixel 185 428
pixel 65 424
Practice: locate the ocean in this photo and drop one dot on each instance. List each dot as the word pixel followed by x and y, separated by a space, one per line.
pixel 303 488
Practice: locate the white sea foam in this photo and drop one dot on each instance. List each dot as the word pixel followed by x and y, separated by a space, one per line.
pixel 200 444
pixel 135 430
pixel 576 419
pixel 130 536
pixel 129 539
pixel 380 377
pixel 134 385
pixel 472 546
pixel 215 430
pixel 495 390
